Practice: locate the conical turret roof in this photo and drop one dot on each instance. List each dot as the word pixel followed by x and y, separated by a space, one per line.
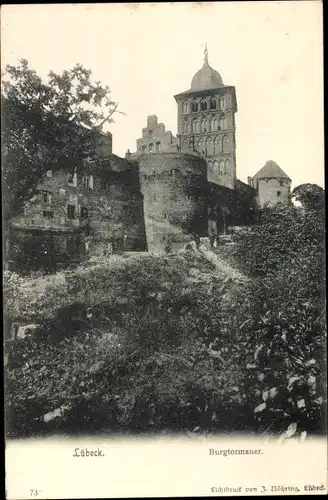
pixel 271 170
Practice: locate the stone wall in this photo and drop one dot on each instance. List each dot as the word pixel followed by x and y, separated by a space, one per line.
pixel 103 202
pixel 273 191
pixel 174 187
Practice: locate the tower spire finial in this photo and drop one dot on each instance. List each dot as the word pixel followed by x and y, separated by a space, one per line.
pixel 206 54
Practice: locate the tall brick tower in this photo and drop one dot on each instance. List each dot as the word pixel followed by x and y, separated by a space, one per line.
pixel 206 123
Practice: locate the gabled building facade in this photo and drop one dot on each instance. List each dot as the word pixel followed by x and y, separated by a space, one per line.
pixel 155 138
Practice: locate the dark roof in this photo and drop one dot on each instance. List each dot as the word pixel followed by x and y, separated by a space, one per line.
pixel 202 92
pixel 271 171
pixel 242 186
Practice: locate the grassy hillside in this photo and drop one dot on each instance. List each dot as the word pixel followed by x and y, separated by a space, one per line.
pixel 182 342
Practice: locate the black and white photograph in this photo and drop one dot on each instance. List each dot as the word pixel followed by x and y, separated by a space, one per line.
pixel 163 245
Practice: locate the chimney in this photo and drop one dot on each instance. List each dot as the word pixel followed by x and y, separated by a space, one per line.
pixel 249 181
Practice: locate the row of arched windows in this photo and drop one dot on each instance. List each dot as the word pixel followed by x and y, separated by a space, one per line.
pixel 204 104
pixel 217 146
pixel 151 148
pixel 205 125
pixel 219 168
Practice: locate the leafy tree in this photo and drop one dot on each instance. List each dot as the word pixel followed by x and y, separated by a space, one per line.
pixel 311 196
pixel 47 126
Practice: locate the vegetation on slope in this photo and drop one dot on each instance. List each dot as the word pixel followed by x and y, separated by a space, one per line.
pixel 179 342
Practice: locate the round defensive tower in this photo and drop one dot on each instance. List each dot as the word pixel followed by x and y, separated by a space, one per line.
pixel 174 187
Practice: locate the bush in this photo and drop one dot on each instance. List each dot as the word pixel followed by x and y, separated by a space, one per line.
pixel 285 251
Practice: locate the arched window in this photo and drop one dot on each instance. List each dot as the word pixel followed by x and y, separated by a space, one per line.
pixel 203 105
pixel 194 123
pixel 214 124
pixel 158 145
pixel 216 167
pixel 209 164
pixel 226 166
pixel 194 106
pixel 199 145
pixel 222 102
pixel 209 146
pixel 151 147
pixel 189 128
pixel 197 127
pixel 185 107
pixel 225 123
pixel 226 144
pixel 221 167
pixel 203 125
pixel 143 149
pixel 217 149
pixel 212 103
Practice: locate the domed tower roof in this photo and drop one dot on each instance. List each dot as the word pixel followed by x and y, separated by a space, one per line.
pixel 206 78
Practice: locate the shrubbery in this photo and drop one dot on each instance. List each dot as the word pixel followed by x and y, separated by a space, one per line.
pixel 178 343
pixel 285 251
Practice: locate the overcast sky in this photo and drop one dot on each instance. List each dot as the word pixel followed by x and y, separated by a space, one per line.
pixel 270 51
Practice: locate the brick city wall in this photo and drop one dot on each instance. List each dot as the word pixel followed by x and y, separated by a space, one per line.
pixel 105 200
pixel 174 187
pixel 272 191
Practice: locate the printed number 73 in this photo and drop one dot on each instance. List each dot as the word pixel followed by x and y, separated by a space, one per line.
pixel 34 493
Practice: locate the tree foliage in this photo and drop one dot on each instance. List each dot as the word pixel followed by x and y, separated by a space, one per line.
pixel 283 238
pixel 47 125
pixel 311 196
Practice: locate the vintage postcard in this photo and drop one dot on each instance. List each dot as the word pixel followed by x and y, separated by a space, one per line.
pixel 164 249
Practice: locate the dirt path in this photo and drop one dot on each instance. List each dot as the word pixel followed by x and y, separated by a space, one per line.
pixel 222 265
